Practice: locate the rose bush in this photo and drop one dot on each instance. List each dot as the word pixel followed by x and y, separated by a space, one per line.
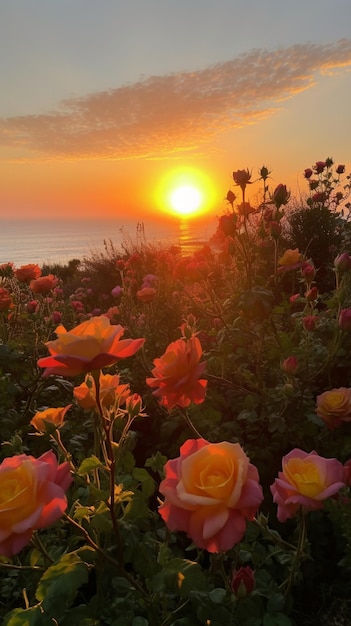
pixel 210 491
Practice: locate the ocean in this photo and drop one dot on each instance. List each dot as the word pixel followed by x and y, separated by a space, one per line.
pixel 59 241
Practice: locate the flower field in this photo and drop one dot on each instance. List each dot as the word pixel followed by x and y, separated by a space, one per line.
pixel 175 429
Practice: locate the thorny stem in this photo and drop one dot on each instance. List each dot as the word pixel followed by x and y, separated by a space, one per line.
pixel 112 465
pixel 36 542
pixel 190 424
pixel 95 546
pixel 299 550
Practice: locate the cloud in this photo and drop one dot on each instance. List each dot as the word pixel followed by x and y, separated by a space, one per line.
pixel 168 115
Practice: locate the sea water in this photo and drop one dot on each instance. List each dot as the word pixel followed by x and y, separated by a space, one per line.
pixel 59 241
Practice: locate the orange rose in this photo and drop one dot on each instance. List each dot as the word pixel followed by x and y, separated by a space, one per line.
pixel 111 392
pixel 90 346
pixel 53 416
pixel 334 406
pixel 43 284
pixel 177 374
pixel 29 272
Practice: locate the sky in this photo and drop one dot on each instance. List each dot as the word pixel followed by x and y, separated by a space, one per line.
pixel 104 102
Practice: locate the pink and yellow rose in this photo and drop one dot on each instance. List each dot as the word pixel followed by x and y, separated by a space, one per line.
pixel 306 480
pixel 32 496
pixel 176 375
pixel 334 406
pixel 210 491
pixel 90 346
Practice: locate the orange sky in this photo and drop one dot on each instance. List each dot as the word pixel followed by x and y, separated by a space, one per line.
pixel 103 152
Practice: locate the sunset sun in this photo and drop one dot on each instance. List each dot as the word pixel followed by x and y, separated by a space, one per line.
pixel 186 199
pixel 185 193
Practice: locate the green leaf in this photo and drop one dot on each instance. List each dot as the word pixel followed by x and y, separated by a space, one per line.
pixel 79 615
pixel 275 603
pixel 278 619
pixel 89 464
pixel 27 617
pixel 140 621
pixel 143 477
pixel 58 586
pixel 217 595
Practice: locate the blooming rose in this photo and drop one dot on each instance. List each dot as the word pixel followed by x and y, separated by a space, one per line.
pixel 291 260
pixel 32 496
pixel 243 581
pixel 43 284
pixel 242 178
pixel 319 167
pixel 334 406
pixel 210 491
pixel 111 392
pixel 90 346
pixel 177 374
pixel 29 272
pixel 306 480
pixel 53 416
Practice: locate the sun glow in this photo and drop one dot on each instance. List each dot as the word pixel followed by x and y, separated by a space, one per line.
pixel 186 193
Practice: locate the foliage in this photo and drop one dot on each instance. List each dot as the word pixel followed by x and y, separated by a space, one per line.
pixel 275 333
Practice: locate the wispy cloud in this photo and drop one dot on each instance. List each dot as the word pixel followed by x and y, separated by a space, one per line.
pixel 165 115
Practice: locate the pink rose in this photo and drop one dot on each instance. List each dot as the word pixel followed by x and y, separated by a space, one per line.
pixel 306 480
pixel 210 491
pixel 32 497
